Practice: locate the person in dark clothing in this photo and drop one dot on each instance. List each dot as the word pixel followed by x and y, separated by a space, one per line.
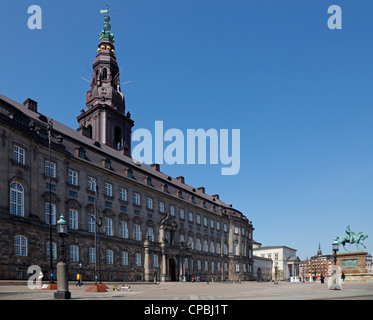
pixel 322 278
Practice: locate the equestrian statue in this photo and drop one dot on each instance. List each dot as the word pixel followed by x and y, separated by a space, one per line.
pixel 351 238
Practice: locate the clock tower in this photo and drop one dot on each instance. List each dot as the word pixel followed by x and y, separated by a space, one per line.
pixel 105 120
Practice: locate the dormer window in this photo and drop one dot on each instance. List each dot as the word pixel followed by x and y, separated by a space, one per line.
pixel 43 134
pixel 81 153
pixel 149 181
pixel 130 173
pixel 107 164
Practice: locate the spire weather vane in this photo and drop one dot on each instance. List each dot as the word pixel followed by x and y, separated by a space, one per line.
pixel 107 10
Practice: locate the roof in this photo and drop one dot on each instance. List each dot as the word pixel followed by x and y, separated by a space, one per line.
pixel 274 247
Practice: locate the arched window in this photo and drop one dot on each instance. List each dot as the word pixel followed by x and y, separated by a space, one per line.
pixel 104 74
pixel 17 207
pixel 20 246
pixel 89 131
pixel 117 138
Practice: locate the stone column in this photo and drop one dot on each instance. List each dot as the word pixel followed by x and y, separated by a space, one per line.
pixel 164 266
pixel 147 260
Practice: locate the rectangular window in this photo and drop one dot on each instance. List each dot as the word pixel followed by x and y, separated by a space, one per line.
pixel 19 155
pixel 109 257
pixel 155 261
pixel 198 244
pixel 54 253
pixel 123 194
pixel 181 213
pixel 136 198
pixel 149 203
pixel 124 258
pixel 190 217
pixel 205 246
pixel 172 210
pixel 53 213
pixel 92 184
pixel 20 246
pixel 108 189
pixel 92 255
pixel 150 232
pixel 108 226
pixel 138 259
pixel 161 206
pixel 191 242
pixel 50 169
pixel 73 219
pixel 73 177
pixel 91 223
pixel 136 232
pixel 205 221
pixel 123 229
pixel 74 253
pixel 237 267
pixel 73 194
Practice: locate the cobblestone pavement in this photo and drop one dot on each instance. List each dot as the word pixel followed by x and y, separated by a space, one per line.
pixel 200 291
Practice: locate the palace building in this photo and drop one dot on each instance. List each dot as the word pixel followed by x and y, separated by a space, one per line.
pixel 126 221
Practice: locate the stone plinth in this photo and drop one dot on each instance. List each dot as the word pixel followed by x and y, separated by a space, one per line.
pixel 352 262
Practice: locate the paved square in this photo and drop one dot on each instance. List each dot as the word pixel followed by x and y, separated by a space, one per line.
pixel 200 291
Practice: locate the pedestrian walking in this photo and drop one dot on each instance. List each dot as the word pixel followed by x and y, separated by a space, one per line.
pixel 343 278
pixel 322 278
pixel 78 280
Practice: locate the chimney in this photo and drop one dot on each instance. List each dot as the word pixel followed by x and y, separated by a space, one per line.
pixel 202 189
pixel 181 179
pixel 31 105
pixel 156 167
pixel 216 196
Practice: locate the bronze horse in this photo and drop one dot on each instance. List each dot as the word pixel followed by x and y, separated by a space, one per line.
pixel 351 238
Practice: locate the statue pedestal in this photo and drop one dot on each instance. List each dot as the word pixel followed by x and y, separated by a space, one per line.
pixel 352 262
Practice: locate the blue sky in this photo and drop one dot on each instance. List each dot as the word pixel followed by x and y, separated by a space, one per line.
pixel 299 92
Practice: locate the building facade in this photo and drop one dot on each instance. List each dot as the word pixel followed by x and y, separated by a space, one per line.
pixel 127 221
pixel 284 260
pixel 316 266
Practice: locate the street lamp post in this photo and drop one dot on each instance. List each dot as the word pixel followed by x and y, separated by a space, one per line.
pixel 335 246
pixel 276 282
pixel 62 270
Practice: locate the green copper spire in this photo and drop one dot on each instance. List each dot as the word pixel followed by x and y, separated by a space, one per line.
pixel 105 33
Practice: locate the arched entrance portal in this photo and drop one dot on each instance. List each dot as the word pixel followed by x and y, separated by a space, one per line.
pixel 172 269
